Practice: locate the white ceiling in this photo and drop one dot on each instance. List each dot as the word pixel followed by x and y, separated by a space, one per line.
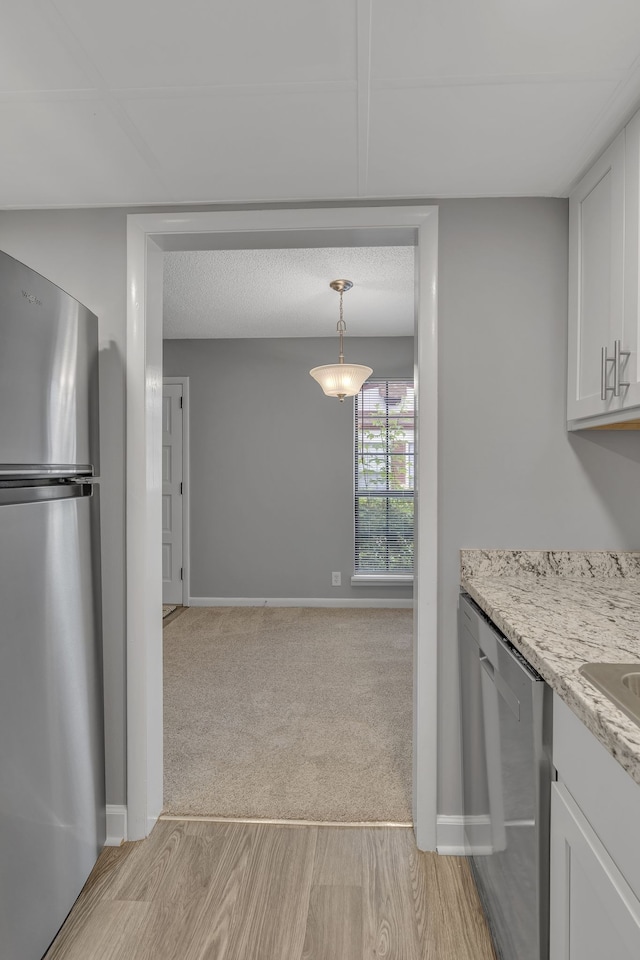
pixel 286 293
pixel 158 101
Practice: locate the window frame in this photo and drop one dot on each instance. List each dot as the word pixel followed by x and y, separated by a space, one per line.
pixel 380 577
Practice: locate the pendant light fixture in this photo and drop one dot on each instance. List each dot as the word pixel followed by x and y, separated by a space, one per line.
pixel 341 379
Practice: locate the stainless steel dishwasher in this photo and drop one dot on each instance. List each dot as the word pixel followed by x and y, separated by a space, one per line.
pixel 507 771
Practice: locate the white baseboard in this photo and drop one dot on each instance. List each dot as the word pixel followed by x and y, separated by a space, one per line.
pixel 295 602
pixel 461 836
pixel 116 824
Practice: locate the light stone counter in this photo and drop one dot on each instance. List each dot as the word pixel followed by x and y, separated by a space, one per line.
pixel 562 609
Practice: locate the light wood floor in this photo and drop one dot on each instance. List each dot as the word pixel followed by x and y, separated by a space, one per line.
pixel 238 891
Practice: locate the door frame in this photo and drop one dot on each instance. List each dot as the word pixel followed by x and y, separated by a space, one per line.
pixel 186 488
pixel 148 237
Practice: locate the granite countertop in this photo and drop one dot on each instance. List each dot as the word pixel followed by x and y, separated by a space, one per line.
pixel 562 609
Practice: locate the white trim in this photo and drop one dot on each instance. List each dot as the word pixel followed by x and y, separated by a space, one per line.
pixel 460 836
pixel 116 824
pixel 451 835
pixel 605 419
pixel 186 488
pixel 144 530
pixel 425 571
pixel 296 602
pixel 380 580
pixel 146 234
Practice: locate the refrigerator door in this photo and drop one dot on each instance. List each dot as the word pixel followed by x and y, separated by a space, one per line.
pixel 52 799
pixel 48 377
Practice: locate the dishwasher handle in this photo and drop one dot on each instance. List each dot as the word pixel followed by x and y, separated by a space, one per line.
pixel 505 691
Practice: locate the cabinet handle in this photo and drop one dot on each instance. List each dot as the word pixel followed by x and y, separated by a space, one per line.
pixel 617 362
pixel 604 360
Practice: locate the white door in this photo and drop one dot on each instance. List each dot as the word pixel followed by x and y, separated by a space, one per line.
pixel 172 440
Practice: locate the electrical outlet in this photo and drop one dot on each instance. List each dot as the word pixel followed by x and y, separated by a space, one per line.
pixel 336 579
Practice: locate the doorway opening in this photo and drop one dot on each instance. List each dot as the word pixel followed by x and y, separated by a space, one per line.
pixel 288 696
pixel 148 236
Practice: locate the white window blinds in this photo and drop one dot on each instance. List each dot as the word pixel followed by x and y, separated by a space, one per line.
pixel 384 477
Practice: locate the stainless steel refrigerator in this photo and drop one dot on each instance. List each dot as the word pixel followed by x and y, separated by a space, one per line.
pixel 52 796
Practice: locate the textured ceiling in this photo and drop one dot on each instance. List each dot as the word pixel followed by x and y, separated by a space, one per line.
pixel 154 101
pixel 286 293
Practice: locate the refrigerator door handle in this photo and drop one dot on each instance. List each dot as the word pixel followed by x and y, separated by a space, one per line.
pixel 11 495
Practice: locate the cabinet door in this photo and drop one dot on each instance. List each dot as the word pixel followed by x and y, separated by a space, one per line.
pixel 594 913
pixel 596 277
pixel 630 367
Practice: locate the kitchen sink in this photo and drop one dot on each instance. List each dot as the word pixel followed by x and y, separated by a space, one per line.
pixel 618 681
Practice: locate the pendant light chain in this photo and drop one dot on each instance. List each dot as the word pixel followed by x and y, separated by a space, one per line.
pixel 341 329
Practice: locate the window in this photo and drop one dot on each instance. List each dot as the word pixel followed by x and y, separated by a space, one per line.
pixel 384 478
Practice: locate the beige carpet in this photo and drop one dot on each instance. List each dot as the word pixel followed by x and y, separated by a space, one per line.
pixel 289 713
pixel 167 608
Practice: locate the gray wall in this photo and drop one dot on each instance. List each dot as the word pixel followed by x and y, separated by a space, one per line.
pixel 84 252
pixel 272 464
pixel 509 474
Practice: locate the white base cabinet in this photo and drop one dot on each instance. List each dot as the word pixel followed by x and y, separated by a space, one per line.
pixel 595 848
pixel 594 912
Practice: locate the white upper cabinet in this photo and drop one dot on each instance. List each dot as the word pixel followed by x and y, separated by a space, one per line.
pixel 631 316
pixel 604 277
pixel 596 284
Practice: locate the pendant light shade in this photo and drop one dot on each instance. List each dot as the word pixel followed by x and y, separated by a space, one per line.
pixel 341 379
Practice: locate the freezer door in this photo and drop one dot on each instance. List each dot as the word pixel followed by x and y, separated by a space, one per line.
pixel 52 798
pixel 48 375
